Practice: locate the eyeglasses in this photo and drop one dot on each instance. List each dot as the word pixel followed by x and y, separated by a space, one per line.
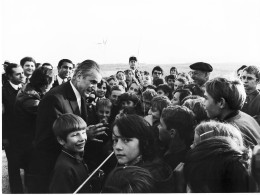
pixel 247 78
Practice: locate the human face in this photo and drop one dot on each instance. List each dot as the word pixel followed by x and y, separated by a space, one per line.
pixel 101 91
pixel 147 80
pixel 160 92
pixel 196 140
pixel 164 134
pixel 65 70
pixel 178 85
pixel 120 76
pixel 250 81
pixel 112 83
pixel 28 68
pixel 176 99
pixel 132 64
pixel 89 83
pixel 146 105
pixel 157 74
pixel 134 88
pixel 212 108
pixel 104 113
pixel 75 141
pixel 155 113
pixel 129 75
pixel 114 96
pixel 126 149
pixel 128 104
pixel 171 82
pixel 173 72
pixel 198 76
pixel 17 76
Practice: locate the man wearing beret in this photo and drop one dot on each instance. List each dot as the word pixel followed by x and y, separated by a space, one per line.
pixel 200 74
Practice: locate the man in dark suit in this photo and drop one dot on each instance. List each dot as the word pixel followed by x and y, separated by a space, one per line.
pixel 65 71
pixel 66 98
pixel 10 88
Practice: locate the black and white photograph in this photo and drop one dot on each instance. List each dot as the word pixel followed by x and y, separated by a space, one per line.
pixel 130 96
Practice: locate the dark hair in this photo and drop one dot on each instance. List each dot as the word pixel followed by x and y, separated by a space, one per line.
pixel 9 69
pixel 151 87
pixel 99 85
pixel 47 64
pixel 132 58
pixel 66 124
pixel 174 68
pixel 166 89
pixel 218 165
pixel 115 88
pixel 63 61
pixel 253 70
pixel 41 76
pixel 134 126
pixel 158 81
pixel 241 68
pixel 232 92
pixel 148 94
pixel 129 179
pixel 182 120
pixel 146 73
pixel 112 77
pixel 85 67
pixel 158 68
pixel 171 76
pixel 160 102
pixel 27 59
pixel 130 97
pixel 183 94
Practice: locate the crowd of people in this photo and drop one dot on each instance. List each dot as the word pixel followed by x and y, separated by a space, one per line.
pixel 181 132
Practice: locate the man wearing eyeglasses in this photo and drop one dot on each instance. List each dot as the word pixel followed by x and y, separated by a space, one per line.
pixel 157 73
pixel 65 70
pixel 250 78
pixel 200 72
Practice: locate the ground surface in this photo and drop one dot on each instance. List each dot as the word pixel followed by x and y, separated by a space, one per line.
pixel 5 179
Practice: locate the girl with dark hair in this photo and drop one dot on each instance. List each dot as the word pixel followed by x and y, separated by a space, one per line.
pixel 130 100
pixel 103 90
pixel 134 143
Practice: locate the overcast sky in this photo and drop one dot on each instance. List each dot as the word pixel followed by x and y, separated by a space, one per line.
pixel 109 31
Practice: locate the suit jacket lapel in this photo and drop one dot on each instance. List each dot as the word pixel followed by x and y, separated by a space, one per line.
pixel 72 99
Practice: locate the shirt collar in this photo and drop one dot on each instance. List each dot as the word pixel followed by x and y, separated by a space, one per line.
pixel 76 92
pixel 60 80
pixel 16 87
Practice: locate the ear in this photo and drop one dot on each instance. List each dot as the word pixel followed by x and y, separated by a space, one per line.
pixel 172 132
pixel 222 103
pixel 61 141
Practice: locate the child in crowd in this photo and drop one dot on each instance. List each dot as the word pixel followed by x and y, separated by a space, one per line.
pixel 120 75
pixel 164 90
pixel 70 170
pixel 135 143
pixel 135 89
pixel 179 95
pixel 147 97
pixel 103 90
pixel 179 83
pixel 176 132
pixel 218 165
pixel 112 81
pixel 129 179
pixel 197 106
pixel 130 100
pixel 170 80
pixel 212 128
pixel 158 103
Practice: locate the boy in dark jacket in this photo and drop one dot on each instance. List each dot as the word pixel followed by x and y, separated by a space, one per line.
pixel 70 170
